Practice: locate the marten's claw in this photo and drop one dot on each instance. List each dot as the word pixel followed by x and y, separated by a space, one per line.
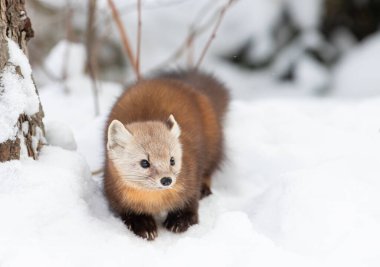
pixel 149 235
pixel 141 225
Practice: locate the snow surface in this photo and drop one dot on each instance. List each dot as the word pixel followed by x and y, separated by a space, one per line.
pixel 300 188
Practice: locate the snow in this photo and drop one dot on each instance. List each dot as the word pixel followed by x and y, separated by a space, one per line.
pixel 66 59
pixel 18 92
pixel 357 73
pixel 306 13
pixel 18 58
pixel 73 229
pixel 300 188
pixel 75 112
pixel 311 75
pixel 59 134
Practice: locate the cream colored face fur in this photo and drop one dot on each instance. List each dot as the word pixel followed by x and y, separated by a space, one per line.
pixel 153 141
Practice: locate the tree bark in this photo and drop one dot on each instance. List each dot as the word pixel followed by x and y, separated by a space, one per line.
pixel 16 25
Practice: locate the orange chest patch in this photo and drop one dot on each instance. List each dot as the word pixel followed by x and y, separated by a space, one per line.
pixel 152 202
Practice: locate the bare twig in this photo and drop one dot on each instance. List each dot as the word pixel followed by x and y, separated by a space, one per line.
pixel 97 172
pixel 91 64
pixel 123 35
pixel 138 39
pixel 69 38
pixel 190 50
pixel 213 33
pixel 194 32
pixel 185 45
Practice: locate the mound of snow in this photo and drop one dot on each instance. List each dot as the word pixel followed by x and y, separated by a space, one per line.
pixel 357 75
pixel 59 134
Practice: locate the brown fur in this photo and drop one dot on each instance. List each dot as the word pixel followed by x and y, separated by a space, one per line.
pixel 198 103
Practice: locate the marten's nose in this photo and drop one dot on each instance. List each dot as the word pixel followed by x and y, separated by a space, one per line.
pixel 166 181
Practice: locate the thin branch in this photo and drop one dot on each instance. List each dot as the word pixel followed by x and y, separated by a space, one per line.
pixel 138 39
pixel 190 50
pixel 91 64
pixel 97 172
pixel 213 33
pixel 69 39
pixel 194 32
pixel 123 35
pixel 186 44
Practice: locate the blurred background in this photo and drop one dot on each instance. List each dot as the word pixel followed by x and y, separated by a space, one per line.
pixel 263 48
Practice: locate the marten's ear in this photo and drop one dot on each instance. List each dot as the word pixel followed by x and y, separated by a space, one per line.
pixel 173 126
pixel 118 135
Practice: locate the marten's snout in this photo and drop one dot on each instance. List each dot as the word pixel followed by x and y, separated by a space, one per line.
pixel 166 181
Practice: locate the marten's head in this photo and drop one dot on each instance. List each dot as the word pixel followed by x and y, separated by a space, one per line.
pixel 146 155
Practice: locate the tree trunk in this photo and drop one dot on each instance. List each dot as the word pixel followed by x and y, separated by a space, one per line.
pixel 29 133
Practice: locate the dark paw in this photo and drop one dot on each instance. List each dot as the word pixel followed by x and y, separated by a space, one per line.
pixel 179 222
pixel 205 191
pixel 142 225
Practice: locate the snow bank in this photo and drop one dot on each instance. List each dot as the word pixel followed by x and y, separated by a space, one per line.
pixel 300 188
pixel 17 92
pixel 54 214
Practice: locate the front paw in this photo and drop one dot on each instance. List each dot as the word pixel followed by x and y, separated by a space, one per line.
pixel 142 225
pixel 179 221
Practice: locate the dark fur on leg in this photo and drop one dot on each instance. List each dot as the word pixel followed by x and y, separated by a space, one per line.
pixel 206 185
pixel 205 191
pixel 141 224
pixel 180 220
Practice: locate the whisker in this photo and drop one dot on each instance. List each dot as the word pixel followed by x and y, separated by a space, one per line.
pixel 139 176
pixel 135 175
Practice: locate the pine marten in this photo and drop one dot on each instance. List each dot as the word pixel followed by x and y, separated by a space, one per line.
pixel 164 141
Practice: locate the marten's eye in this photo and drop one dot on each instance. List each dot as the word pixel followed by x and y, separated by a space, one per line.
pixel 172 161
pixel 145 164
